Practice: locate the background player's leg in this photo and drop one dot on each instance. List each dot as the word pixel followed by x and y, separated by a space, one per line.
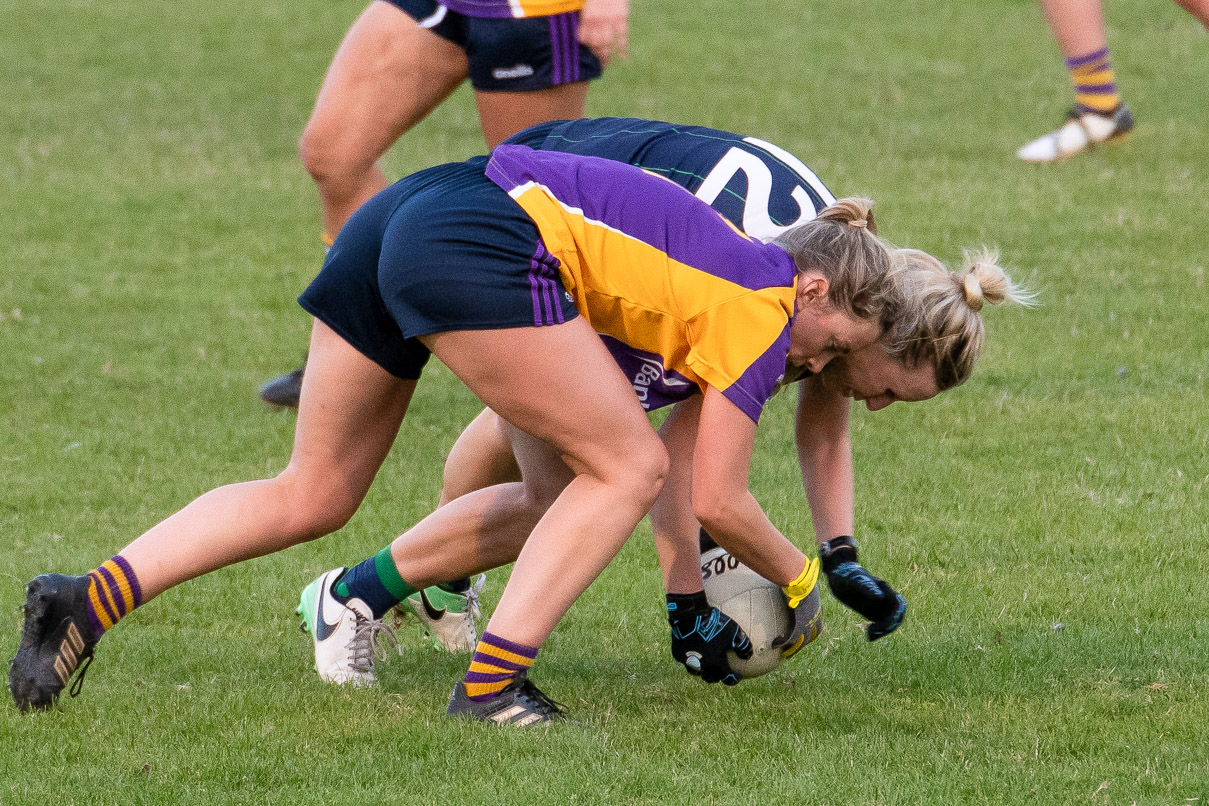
pixel 1078 25
pixel 1098 115
pixel 503 114
pixel 386 76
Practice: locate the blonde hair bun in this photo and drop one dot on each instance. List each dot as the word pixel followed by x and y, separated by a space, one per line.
pixel 855 211
pixel 942 325
pixel 982 279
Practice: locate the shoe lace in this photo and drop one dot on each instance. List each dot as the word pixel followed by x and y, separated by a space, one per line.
pixel 472 597
pixel 537 699
pixel 365 642
pixel 78 683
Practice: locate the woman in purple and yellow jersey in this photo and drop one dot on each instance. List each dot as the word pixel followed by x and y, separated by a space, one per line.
pixel 764 190
pixel 507 271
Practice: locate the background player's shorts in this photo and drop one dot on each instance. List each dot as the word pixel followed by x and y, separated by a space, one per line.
pixel 510 54
pixel 443 249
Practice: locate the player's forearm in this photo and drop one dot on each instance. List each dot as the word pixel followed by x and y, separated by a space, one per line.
pixel 676 531
pixel 679 557
pixel 738 524
pixel 675 527
pixel 825 456
pixel 828 478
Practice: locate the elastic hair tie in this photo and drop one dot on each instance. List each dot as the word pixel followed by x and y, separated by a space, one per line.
pixel 859 223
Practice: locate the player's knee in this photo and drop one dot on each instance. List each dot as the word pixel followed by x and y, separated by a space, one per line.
pixel 644 469
pixel 327 155
pixel 313 509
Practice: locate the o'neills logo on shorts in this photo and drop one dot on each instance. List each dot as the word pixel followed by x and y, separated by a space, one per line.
pixel 516 71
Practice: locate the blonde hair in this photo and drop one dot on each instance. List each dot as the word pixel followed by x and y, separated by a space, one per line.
pixel 942 325
pixel 841 244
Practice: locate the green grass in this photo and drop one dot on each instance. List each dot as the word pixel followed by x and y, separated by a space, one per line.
pixel 1047 521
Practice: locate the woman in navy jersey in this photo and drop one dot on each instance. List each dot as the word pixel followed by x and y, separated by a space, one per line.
pixel 528 61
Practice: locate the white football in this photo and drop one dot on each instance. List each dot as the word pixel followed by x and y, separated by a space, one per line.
pixel 759 606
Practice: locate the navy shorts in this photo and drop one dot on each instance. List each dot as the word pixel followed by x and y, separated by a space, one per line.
pixel 443 249
pixel 509 54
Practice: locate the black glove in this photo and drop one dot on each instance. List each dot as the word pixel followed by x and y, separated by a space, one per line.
pixel 859 589
pixel 701 637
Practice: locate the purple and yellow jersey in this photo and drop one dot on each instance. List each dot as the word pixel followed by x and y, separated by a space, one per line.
pixel 512 8
pixel 680 295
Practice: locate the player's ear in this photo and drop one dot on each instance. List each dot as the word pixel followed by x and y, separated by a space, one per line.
pixel 812 288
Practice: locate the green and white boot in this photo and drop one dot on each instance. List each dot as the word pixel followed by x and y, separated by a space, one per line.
pixel 449 619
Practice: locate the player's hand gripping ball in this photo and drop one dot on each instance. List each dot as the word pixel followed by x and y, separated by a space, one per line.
pixel 802 596
pixel 776 630
pixel 703 637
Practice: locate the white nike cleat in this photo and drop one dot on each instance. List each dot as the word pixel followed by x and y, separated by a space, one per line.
pixel 345 634
pixel 1081 130
pixel 449 619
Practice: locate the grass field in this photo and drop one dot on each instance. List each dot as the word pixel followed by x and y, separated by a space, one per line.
pixel 1047 521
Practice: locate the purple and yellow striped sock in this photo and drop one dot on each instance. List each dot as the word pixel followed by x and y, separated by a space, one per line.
pixel 496 663
pixel 1095 84
pixel 113 591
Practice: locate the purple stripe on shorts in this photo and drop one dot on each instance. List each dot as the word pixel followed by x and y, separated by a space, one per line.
pixel 556 62
pixel 564 47
pixel 568 46
pixel 1082 61
pixel 573 44
pixel 101 582
pixel 135 590
pixel 544 288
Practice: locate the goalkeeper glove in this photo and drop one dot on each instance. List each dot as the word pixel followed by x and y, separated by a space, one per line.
pixel 859 589
pixel 702 636
pixel 803 596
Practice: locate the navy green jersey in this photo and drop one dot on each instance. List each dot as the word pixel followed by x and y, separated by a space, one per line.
pixel 760 187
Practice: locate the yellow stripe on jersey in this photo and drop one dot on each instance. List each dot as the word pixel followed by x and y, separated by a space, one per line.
pixel 545 8
pixel 653 302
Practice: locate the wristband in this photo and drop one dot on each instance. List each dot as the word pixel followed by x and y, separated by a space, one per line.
pixel 801 587
pixel 681 603
pixel 837 550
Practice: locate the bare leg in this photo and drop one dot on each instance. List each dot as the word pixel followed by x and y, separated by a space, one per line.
pixel 503 114
pixel 1077 24
pixel 1197 8
pixel 481 457
pixel 349 415
pixel 673 522
pixel 386 76
pixel 592 420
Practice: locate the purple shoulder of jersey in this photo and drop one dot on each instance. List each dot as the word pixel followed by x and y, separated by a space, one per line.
pixel 649 208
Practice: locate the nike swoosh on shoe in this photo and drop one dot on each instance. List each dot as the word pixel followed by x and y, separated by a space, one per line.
pixel 323 629
pixel 433 613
